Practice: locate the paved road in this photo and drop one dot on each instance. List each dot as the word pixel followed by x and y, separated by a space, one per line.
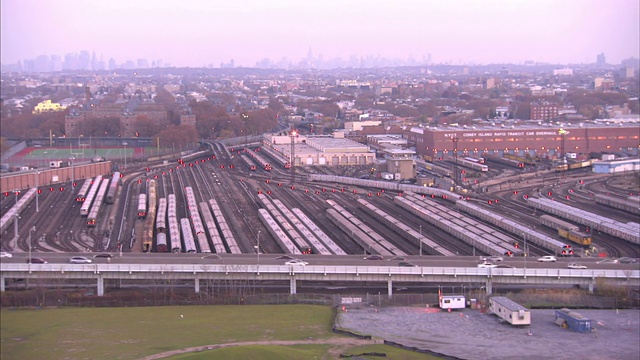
pixel 471 335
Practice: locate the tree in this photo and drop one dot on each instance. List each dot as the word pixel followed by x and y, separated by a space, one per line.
pixel 146 127
pixel 179 136
pixel 108 126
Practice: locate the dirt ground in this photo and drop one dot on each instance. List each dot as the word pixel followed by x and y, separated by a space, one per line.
pixel 470 334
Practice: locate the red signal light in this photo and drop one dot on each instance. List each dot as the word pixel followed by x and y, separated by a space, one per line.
pixel 51 189
pixel 39 191
pixel 61 189
pixel 6 193
pixel 75 184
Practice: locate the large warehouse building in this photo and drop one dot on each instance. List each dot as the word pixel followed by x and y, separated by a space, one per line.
pixel 546 141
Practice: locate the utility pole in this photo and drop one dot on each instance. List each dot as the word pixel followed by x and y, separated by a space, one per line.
pixel 454 140
pixel 294 134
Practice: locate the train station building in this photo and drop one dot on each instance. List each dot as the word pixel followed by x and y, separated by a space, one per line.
pixel 319 150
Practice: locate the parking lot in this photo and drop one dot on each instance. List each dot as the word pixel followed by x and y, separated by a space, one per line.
pixel 470 334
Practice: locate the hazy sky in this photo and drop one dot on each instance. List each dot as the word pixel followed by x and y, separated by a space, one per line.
pixel 202 32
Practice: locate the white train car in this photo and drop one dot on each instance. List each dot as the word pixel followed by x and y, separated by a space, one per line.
pixel 161 216
pixel 161 242
pixel 16 209
pixel 91 194
pixel 82 194
pixel 187 235
pixel 113 188
pixel 174 224
pixel 210 224
pixel 555 223
pixel 142 206
pixel 92 218
pixel 329 243
pixel 225 230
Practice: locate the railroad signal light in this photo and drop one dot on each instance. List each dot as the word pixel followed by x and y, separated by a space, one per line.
pixel 231 166
pixel 6 193
pixel 369 194
pixel 51 189
pixel 445 196
pixel 433 196
pixel 268 192
pixel 39 192
pixel 61 189
pixel 516 245
pixel 515 192
pixel 75 184
pixel 306 191
pixel 342 189
pixel 489 202
pixel 355 191
pixel 317 192
pixel 587 229
pixel 293 187
pixel 549 193
pixel 121 175
pixel 399 194
pixel 567 197
pixel 324 190
pixel 526 196
pixel 267 181
pixel 259 192
pixel 378 193
pixel 148 169
pixel 333 190
pixel 279 184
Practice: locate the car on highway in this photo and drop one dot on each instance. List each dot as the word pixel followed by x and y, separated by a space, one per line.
pixel 607 261
pixel 397 258
pixel 547 258
pixel 5 254
pixel 103 255
pixel 284 257
pixel 79 260
pixel 36 261
pixel 627 260
pixel 406 264
pixel 373 257
pixel 576 266
pixel 486 264
pixel 505 266
pixel 296 262
pixel 494 258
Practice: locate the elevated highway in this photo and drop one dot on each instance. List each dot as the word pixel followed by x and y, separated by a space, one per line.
pixel 358 272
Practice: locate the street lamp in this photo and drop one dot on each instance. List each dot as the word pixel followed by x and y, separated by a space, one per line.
pixel 124 144
pixel 73 175
pixel 37 191
pixel 525 252
pixel 420 240
pixel 294 133
pixel 33 228
pixel 258 248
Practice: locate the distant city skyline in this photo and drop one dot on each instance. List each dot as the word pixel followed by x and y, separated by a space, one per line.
pixel 220 33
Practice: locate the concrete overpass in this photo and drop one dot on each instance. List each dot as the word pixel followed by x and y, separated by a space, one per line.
pixel 318 273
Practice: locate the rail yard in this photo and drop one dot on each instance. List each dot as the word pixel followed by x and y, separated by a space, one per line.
pixel 243 200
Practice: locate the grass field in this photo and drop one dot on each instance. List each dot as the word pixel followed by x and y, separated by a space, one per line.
pixel 135 333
